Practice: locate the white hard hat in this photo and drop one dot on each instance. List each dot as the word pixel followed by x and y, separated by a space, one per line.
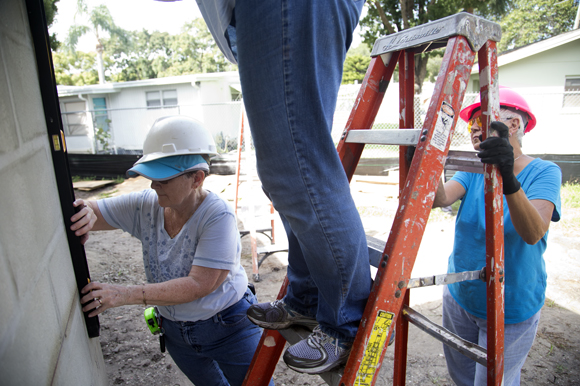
pixel 176 135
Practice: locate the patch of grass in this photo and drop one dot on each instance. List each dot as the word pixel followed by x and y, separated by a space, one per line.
pixel 80 178
pixel 570 194
pixel 561 369
pixel 107 194
pixel 551 303
pixel 119 180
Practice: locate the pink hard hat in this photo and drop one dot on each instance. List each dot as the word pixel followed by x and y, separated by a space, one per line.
pixel 507 98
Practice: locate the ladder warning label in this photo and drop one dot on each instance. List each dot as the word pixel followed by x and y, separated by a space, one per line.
pixel 374 348
pixel 443 126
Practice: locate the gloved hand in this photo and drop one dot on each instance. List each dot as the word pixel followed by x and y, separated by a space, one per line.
pixel 499 151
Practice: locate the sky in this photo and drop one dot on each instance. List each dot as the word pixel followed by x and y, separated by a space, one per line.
pixel 130 15
pixel 163 16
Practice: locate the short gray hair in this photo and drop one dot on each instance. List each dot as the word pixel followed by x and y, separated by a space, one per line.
pixel 506 113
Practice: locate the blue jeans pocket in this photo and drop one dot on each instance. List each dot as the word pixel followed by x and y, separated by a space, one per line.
pixel 236 314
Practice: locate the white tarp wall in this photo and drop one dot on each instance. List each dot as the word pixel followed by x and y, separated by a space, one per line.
pixel 43 338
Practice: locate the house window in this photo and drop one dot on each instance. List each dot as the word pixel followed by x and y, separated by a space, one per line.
pixel 75 118
pixel 572 92
pixel 164 98
pixel 236 92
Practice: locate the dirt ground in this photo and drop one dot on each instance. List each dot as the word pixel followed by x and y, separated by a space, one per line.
pixel 132 354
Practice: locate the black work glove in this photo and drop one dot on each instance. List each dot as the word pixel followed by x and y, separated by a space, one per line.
pixel 499 151
pixel 410 154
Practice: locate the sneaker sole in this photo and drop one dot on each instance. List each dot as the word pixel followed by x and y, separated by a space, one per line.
pixel 319 369
pixel 282 325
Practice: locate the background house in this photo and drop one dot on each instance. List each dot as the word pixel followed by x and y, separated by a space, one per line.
pixel 115 117
pixel 547 75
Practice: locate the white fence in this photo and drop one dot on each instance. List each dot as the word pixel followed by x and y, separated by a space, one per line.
pixel 124 130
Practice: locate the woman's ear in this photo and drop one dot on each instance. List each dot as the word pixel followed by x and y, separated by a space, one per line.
pixel 514 126
pixel 199 177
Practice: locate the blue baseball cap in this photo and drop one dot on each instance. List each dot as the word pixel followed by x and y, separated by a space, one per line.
pixel 162 169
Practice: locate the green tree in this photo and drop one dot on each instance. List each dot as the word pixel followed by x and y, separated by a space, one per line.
pixel 75 68
pixel 385 17
pixel 50 11
pixel 146 55
pixel 141 56
pixel 100 21
pixel 533 21
pixel 194 51
pixel 355 68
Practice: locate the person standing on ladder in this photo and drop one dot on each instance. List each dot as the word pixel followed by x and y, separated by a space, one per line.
pixel 290 56
pixel 531 190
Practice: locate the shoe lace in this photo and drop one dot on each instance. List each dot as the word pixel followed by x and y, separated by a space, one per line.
pixel 317 338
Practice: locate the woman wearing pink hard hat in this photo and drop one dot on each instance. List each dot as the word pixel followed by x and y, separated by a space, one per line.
pixel 531 190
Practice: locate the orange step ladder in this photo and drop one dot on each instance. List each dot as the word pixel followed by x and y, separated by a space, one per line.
pixel 463 35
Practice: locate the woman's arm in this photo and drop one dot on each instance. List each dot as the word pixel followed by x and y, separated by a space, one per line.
pixel 530 218
pixel 448 193
pixel 199 283
pixel 89 218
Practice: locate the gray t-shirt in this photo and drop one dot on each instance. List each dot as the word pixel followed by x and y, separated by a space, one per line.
pixel 210 238
pixel 217 15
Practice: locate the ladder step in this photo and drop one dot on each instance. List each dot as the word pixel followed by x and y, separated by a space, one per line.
pixel 466 161
pixel 433 35
pixel 399 137
pixel 272 248
pixel 247 232
pixel 470 350
pixel 376 248
pixel 294 335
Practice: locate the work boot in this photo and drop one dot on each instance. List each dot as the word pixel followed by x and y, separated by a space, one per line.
pixel 318 353
pixel 277 315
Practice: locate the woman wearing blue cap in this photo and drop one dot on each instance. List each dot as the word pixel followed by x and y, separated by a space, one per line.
pixel 191 251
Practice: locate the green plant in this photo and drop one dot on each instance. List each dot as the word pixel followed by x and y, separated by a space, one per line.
pixel 83 178
pixel 107 194
pixel 570 194
pixel 103 136
pixel 561 368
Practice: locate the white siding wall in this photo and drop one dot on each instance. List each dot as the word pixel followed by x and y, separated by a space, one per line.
pixel 131 120
pixel 208 101
pixel 43 338
pixel 540 80
pixel 546 69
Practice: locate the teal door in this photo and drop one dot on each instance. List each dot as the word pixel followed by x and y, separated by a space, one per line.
pixel 101 115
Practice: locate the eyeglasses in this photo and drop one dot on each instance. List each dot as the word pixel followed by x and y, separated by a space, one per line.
pixel 474 121
pixel 477 121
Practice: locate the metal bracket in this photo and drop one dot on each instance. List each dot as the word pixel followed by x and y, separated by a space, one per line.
pixel 449 278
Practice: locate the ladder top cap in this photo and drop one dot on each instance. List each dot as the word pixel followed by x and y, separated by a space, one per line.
pixel 435 34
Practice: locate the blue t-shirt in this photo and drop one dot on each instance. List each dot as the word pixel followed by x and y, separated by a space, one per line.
pixel 525 270
pixel 210 238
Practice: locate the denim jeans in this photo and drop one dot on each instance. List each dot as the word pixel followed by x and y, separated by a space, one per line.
pixel 290 55
pixel 518 340
pixel 216 351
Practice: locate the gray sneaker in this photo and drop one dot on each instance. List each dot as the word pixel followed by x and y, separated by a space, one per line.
pixel 277 316
pixel 317 353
